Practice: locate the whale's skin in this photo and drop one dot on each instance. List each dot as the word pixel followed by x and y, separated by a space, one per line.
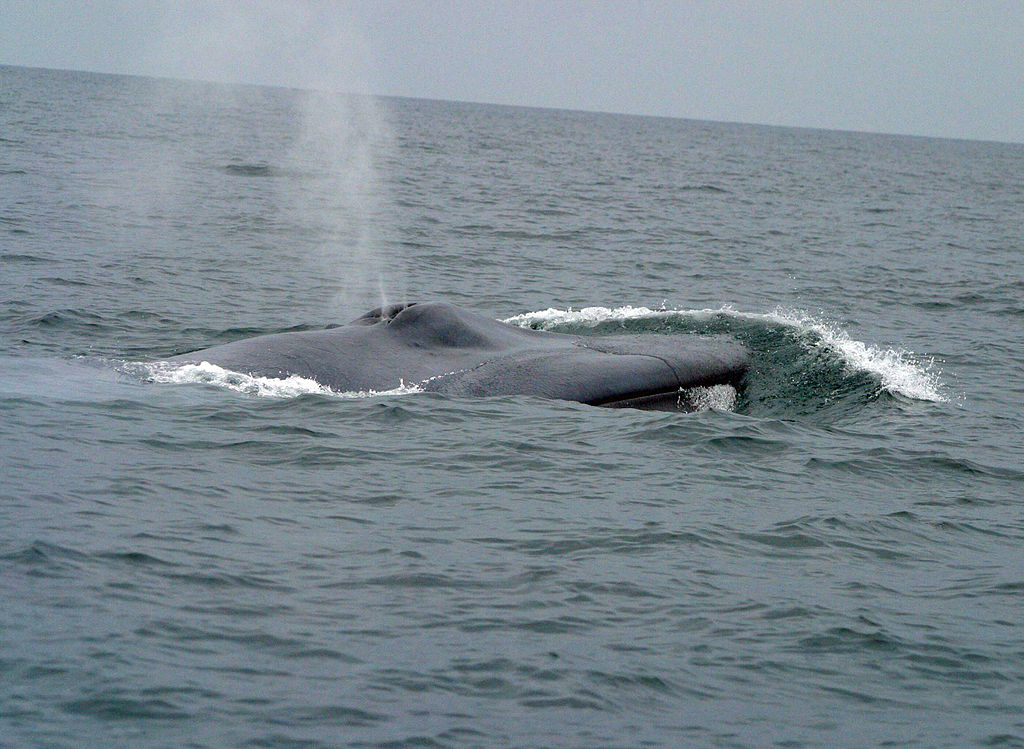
pixel 445 349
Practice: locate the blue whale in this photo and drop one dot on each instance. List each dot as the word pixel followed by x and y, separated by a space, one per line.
pixel 442 348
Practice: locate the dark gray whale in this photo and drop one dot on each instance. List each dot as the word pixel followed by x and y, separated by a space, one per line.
pixel 444 349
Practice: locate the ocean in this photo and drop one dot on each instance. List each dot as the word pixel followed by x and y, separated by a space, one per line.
pixel 192 557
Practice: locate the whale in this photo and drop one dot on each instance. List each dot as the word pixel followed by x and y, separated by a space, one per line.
pixel 441 348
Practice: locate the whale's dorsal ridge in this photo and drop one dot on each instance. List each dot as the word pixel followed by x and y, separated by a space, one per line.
pixel 443 325
pixel 381 314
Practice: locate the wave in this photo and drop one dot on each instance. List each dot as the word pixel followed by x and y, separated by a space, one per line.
pixel 897 370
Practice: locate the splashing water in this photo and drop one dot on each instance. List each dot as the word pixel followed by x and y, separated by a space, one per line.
pixel 714 398
pixel 898 370
pixel 262 387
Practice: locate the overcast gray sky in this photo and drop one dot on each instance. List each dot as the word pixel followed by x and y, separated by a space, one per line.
pixel 947 68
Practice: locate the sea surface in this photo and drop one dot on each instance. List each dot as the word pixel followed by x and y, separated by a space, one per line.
pixel 833 555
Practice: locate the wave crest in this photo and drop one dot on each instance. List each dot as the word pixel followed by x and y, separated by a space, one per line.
pixel 898 370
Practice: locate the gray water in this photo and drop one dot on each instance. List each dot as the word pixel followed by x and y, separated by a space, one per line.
pixel 830 557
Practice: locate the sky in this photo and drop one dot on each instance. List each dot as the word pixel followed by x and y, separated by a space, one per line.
pixel 931 67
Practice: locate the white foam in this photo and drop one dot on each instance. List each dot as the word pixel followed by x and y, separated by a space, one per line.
pixel 898 369
pixel 262 387
pixel 714 398
pixel 591 316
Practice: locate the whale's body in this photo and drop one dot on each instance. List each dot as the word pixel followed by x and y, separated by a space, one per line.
pixel 442 348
